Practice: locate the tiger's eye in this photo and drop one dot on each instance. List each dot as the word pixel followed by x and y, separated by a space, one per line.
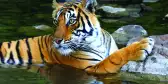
pixel 72 21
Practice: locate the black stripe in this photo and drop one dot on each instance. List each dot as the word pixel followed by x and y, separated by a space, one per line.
pixel 88 67
pixel 106 70
pixel 78 16
pixel 11 56
pixel 96 67
pixel 1 55
pixel 87 18
pixel 49 38
pixel 92 59
pixel 109 48
pixel 88 22
pixel 84 30
pixel 9 44
pixel 69 13
pixel 114 62
pixel 146 52
pixel 83 24
pixel 75 6
pixel 18 53
pixel 55 56
pixel 29 53
pixel 91 51
pixel 103 38
pixel 41 54
pixel 45 40
pixel 71 9
pixel 42 42
pixel 11 59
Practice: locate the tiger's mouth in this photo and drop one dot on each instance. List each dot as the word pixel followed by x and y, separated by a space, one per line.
pixel 68 47
pixel 63 47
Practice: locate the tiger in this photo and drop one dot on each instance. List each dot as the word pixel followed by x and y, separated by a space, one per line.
pixel 78 41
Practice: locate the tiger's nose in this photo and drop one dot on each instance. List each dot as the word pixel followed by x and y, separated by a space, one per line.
pixel 58 41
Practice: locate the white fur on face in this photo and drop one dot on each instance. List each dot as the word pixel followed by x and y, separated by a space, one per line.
pixel 65 52
pixel 63 48
pixel 85 35
pixel 70 15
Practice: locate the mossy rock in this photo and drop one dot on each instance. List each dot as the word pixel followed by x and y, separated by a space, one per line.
pixel 144 78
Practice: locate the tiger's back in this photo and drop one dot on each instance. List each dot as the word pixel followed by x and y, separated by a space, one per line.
pixel 26 52
pixel 39 51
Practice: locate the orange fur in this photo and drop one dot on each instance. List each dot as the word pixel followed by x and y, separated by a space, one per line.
pixel 111 64
pixel 114 62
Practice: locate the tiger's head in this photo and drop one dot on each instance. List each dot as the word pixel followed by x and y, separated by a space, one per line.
pixel 77 26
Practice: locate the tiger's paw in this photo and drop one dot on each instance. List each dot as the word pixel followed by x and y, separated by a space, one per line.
pixel 142 49
pixel 147 49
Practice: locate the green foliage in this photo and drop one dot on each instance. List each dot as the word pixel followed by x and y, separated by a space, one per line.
pixel 154 21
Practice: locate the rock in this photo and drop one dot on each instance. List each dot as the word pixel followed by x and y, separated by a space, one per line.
pixel 139 78
pixel 119 1
pixel 161 45
pixel 150 0
pixel 133 10
pixel 134 39
pixel 144 8
pixel 113 12
pixel 110 9
pixel 42 27
pixel 165 18
pixel 159 40
pixel 136 10
pixel 125 33
pixel 109 20
pixel 156 63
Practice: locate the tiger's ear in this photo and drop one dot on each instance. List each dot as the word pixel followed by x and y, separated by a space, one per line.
pixel 55 5
pixel 90 5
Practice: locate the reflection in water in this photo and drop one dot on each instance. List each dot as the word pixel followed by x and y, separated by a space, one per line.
pixel 61 74
pixel 68 75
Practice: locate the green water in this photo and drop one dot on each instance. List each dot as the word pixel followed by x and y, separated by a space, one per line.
pixel 17 18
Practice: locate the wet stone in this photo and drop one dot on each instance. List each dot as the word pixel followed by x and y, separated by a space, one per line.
pixel 125 33
pixel 156 63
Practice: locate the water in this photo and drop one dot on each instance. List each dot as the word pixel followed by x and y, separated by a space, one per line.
pixel 61 74
pixel 17 18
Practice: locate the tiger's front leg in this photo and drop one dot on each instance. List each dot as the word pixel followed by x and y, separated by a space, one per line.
pixel 113 63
